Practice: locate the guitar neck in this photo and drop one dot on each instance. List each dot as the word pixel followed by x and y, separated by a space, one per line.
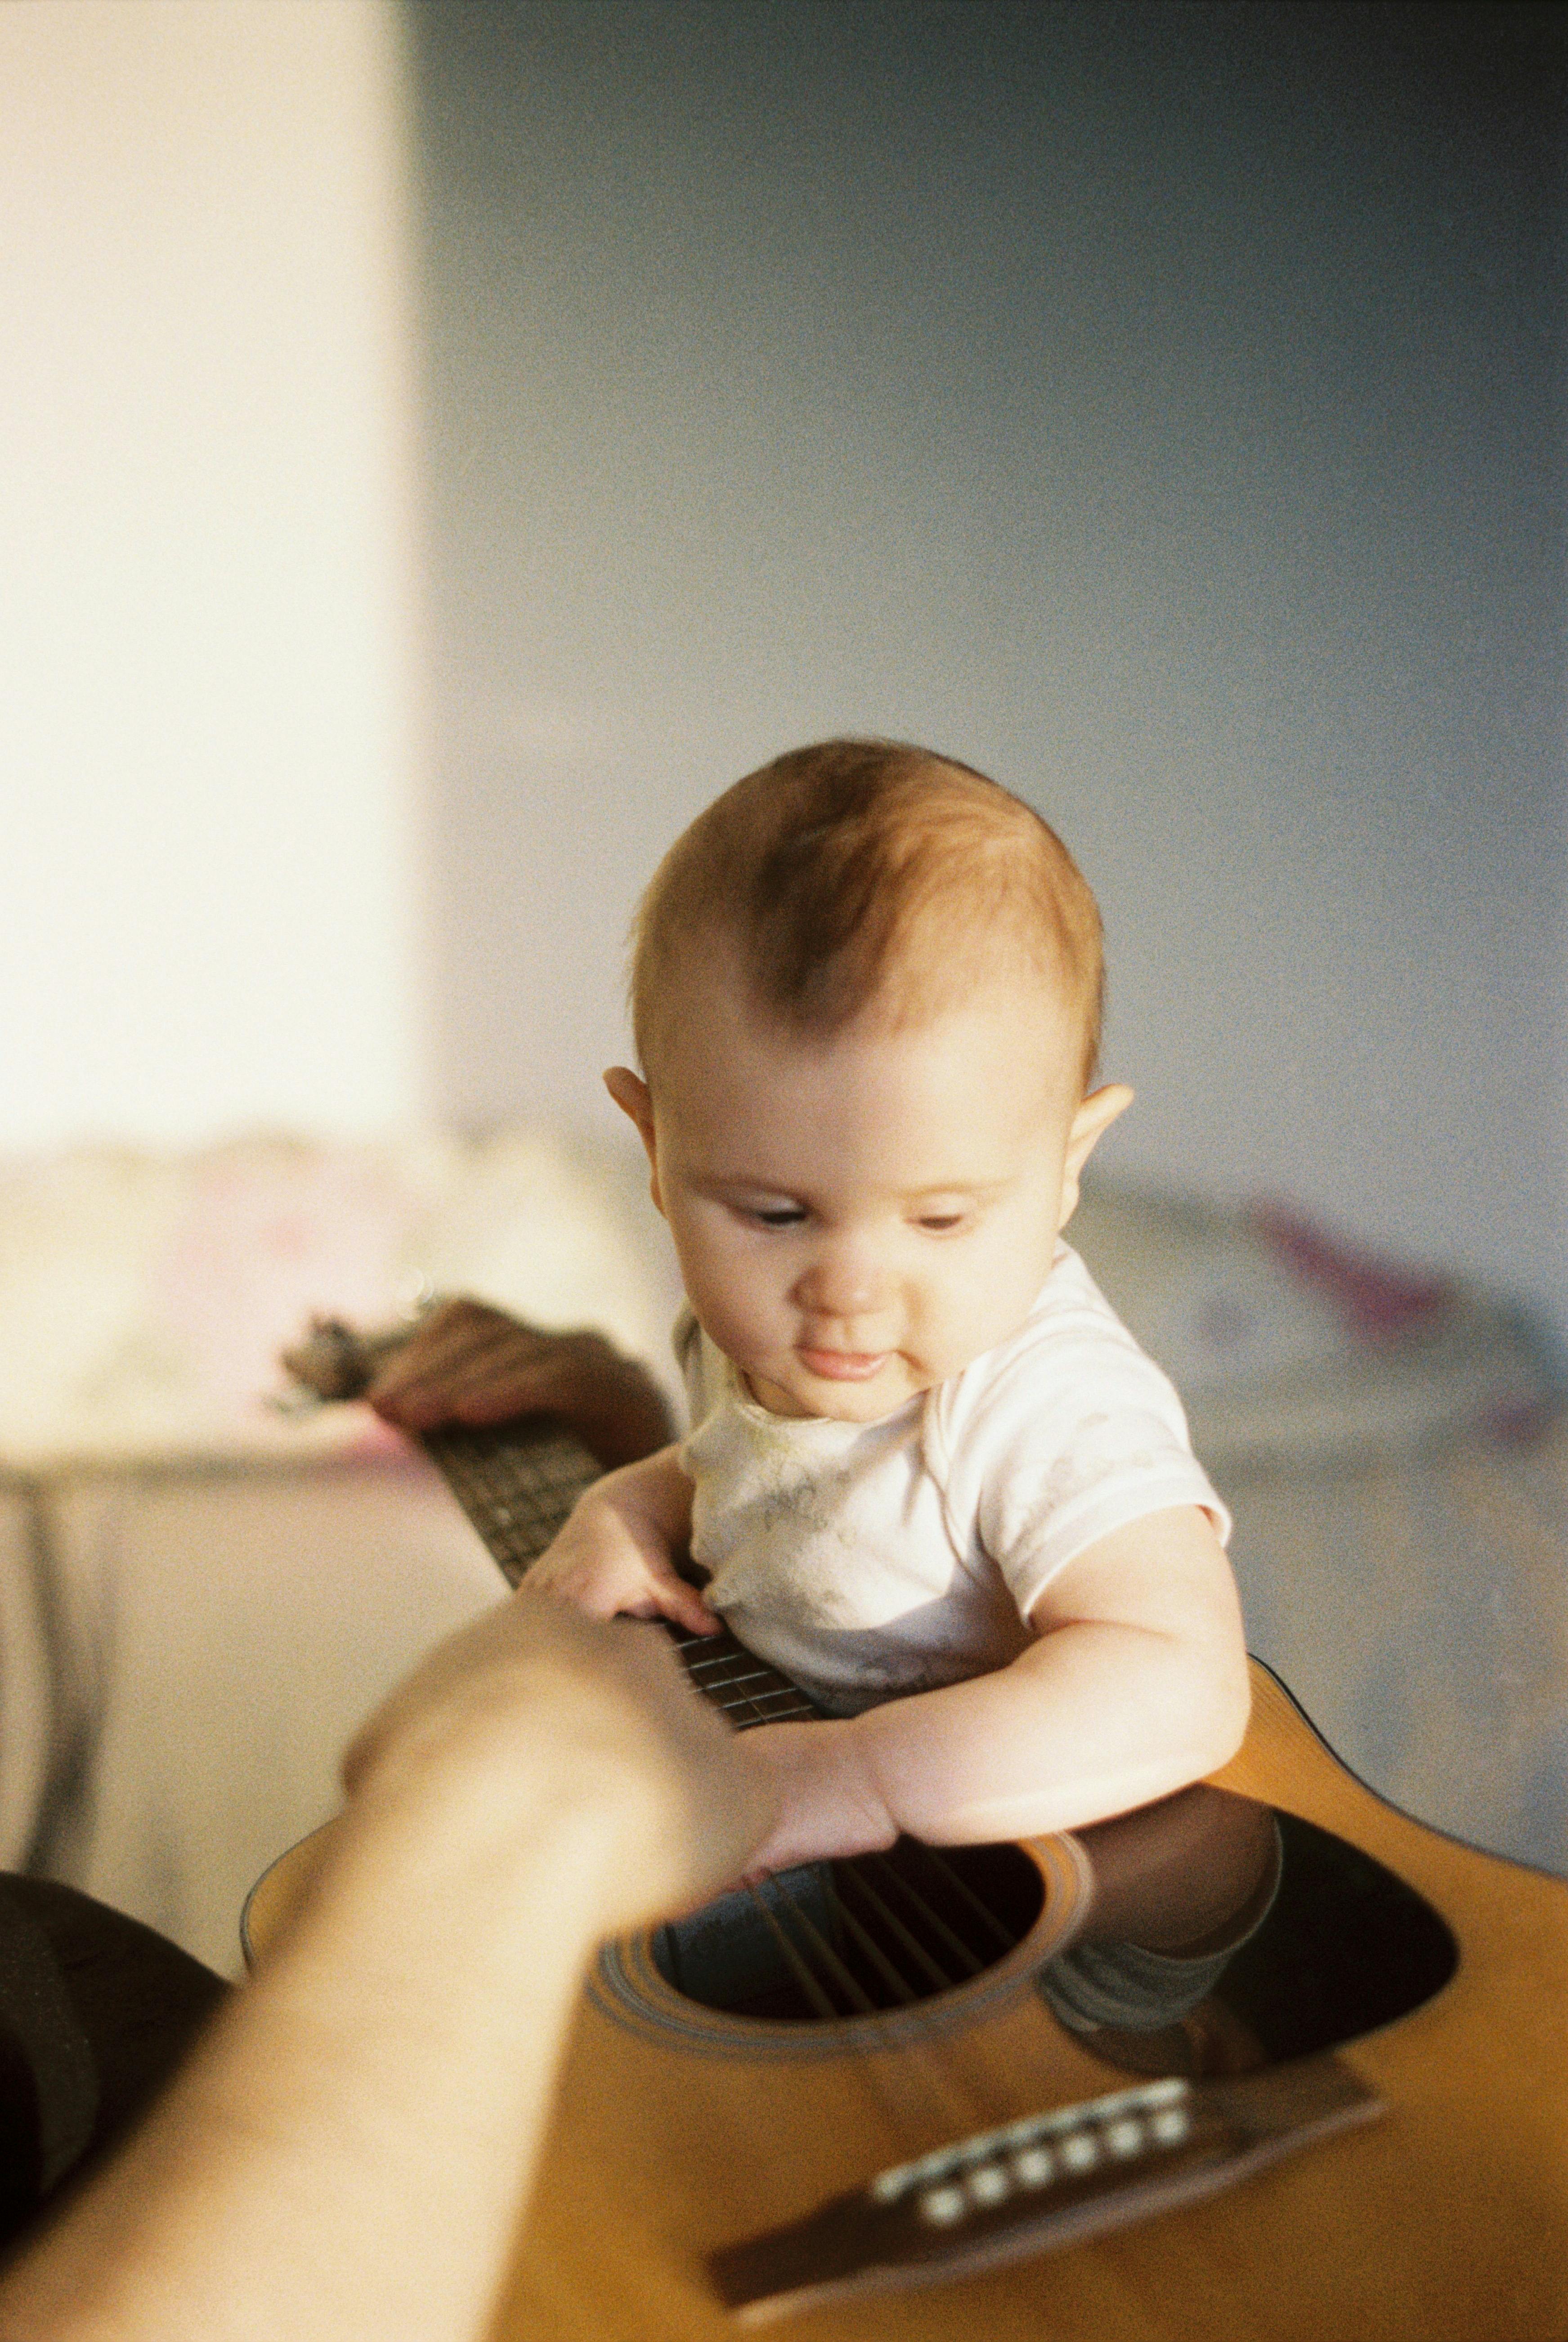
pixel 518 1481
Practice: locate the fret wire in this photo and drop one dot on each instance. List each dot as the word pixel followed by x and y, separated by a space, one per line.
pixel 775 1715
pixel 847 1983
pixel 766 1677
pixel 743 1721
pixel 802 1715
pixel 718 1689
pixel 709 1668
pixel 933 1918
pixel 728 1677
pixel 981 1909
pixel 802 1975
pixel 797 1706
pixel 734 1709
pixel 705 1669
pixel 745 1701
pixel 686 1643
pixel 722 1694
pixel 852 1873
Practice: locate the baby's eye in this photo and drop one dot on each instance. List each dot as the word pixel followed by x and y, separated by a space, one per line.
pixel 778 1215
pixel 938 1221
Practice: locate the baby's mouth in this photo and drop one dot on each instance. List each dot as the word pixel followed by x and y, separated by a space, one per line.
pixel 843 1366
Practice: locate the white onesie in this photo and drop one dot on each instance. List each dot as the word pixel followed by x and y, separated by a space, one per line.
pixel 868 1560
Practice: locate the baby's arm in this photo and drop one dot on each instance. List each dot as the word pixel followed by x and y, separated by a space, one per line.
pixel 616 1552
pixel 1137 1685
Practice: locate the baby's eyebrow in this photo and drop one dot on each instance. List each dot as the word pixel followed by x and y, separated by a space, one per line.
pixel 947 1190
pixel 747 1185
pixel 742 1183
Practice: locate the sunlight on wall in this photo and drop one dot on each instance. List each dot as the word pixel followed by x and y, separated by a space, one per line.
pixel 206 668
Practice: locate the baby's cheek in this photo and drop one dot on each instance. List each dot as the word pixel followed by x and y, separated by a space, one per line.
pixel 987 1306
pixel 728 1323
pixel 752 1298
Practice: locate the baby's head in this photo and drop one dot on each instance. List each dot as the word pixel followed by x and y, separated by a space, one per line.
pixel 864 877
pixel 866 989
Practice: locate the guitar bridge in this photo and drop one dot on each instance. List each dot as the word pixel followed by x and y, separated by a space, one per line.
pixel 1051 2179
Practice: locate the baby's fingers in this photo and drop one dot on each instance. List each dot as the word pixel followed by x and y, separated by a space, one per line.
pixel 685 1605
pixel 587 1585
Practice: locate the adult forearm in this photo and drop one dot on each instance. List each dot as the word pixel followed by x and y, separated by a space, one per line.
pixel 347 2152
pixel 346 2155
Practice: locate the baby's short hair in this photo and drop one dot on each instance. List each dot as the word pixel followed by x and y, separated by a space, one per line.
pixel 867 869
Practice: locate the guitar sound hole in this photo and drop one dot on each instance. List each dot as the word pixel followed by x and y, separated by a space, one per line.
pixel 856 1938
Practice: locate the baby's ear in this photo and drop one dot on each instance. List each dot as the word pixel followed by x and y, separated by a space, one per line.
pixel 1089 1125
pixel 633 1096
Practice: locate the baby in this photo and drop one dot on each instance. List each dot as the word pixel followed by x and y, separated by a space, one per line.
pixel 930 1475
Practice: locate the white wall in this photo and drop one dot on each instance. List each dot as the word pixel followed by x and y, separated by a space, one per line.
pixel 1158 407
pixel 207 703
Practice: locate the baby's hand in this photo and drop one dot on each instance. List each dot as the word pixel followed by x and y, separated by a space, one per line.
pixel 608 1566
pixel 828 1802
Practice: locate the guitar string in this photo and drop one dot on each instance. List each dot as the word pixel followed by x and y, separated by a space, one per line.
pixel 920 2094
pixel 746 1711
pixel 917 2098
pixel 827 1960
pixel 517 1496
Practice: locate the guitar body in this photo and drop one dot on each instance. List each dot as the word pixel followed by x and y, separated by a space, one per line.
pixel 682 2131
pixel 1444 2221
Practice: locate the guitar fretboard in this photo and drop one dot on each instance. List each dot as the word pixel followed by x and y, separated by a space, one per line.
pixel 518 1481
pixel 515 1481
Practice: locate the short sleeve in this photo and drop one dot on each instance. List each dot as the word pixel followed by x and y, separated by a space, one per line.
pixel 1059 1437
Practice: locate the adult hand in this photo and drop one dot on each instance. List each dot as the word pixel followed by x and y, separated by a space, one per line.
pixel 572 1716
pixel 468 1363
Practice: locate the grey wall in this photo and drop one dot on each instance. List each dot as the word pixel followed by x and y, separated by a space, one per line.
pixel 1157 406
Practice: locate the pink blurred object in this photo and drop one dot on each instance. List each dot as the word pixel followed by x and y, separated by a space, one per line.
pixel 269 1235
pixel 1376 1300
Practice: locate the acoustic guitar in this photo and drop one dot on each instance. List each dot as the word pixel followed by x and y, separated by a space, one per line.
pixel 926 2096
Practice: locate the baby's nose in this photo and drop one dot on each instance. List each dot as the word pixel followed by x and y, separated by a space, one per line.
pixel 841 1284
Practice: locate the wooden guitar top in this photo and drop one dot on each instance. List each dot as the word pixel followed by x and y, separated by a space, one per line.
pixel 1444 2221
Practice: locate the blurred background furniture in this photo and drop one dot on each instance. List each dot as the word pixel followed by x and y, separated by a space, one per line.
pixel 200 1596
